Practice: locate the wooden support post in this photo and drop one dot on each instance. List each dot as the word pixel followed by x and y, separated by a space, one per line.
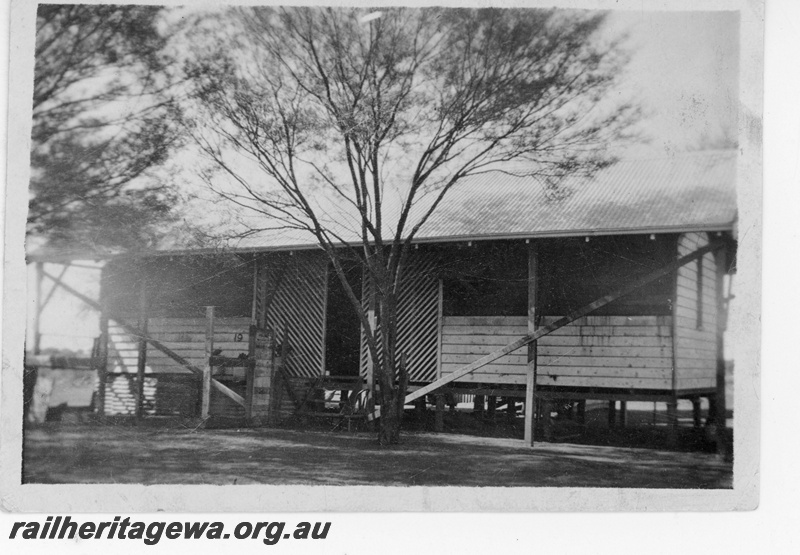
pixel 101 362
pixel 612 413
pixel 324 335
pixel 547 420
pixel 439 424
pixel 37 334
pixel 141 362
pixel 582 412
pixel 530 382
pixel 31 373
pixel 623 413
pixel 711 417
pixel 283 376
pixel 420 406
pixel 550 328
pixel 672 422
pixel 133 330
pixel 205 391
pixel 511 408
pixel 491 407
pixel 250 371
pixel 697 415
pixel 721 416
pixel 254 305
pixel 479 405
pixel 102 366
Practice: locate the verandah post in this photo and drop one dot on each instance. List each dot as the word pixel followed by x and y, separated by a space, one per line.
pixel 251 348
pixel 205 392
pixel 721 413
pixel 530 386
pixel 142 357
pixel 102 365
pixel 31 373
pixel 250 372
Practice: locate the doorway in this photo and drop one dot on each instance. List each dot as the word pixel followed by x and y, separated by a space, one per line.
pixel 343 329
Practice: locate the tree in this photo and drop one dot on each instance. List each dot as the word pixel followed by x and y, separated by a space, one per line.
pixel 354 128
pixel 99 125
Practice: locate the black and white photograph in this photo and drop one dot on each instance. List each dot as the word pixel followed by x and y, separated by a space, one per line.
pixel 337 257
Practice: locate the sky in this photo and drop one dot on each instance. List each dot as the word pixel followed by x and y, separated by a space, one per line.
pixel 683 71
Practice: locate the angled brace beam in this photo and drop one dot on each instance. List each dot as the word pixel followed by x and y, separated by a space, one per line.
pixel 560 323
pixel 225 390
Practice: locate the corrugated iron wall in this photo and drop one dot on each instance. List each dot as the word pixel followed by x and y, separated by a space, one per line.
pixel 292 293
pixel 418 318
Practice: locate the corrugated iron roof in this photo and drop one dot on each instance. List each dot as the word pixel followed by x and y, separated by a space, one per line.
pixel 691 191
pixel 688 191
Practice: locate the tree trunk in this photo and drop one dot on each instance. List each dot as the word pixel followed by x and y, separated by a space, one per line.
pixel 389 429
pixel 392 405
pixel 392 375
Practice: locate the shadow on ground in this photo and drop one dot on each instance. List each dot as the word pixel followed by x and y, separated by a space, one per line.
pixel 176 453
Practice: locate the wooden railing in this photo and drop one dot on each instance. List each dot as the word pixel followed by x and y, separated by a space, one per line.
pixel 133 330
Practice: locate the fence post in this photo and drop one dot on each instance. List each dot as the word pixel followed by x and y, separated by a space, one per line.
pixel 205 399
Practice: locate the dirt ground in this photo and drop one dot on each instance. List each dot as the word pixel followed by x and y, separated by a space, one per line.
pixel 174 452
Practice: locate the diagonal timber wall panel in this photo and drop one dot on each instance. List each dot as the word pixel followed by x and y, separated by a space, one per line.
pixel 418 318
pixel 291 295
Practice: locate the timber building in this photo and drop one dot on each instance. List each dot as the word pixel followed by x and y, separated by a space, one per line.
pixel 505 256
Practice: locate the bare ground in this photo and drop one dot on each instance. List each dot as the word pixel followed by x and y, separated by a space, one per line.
pixel 94 453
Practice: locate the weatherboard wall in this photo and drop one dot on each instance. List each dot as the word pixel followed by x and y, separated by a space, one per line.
pixel 624 345
pixel 177 290
pixel 695 313
pixel 169 387
pixel 458 303
pixel 630 352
